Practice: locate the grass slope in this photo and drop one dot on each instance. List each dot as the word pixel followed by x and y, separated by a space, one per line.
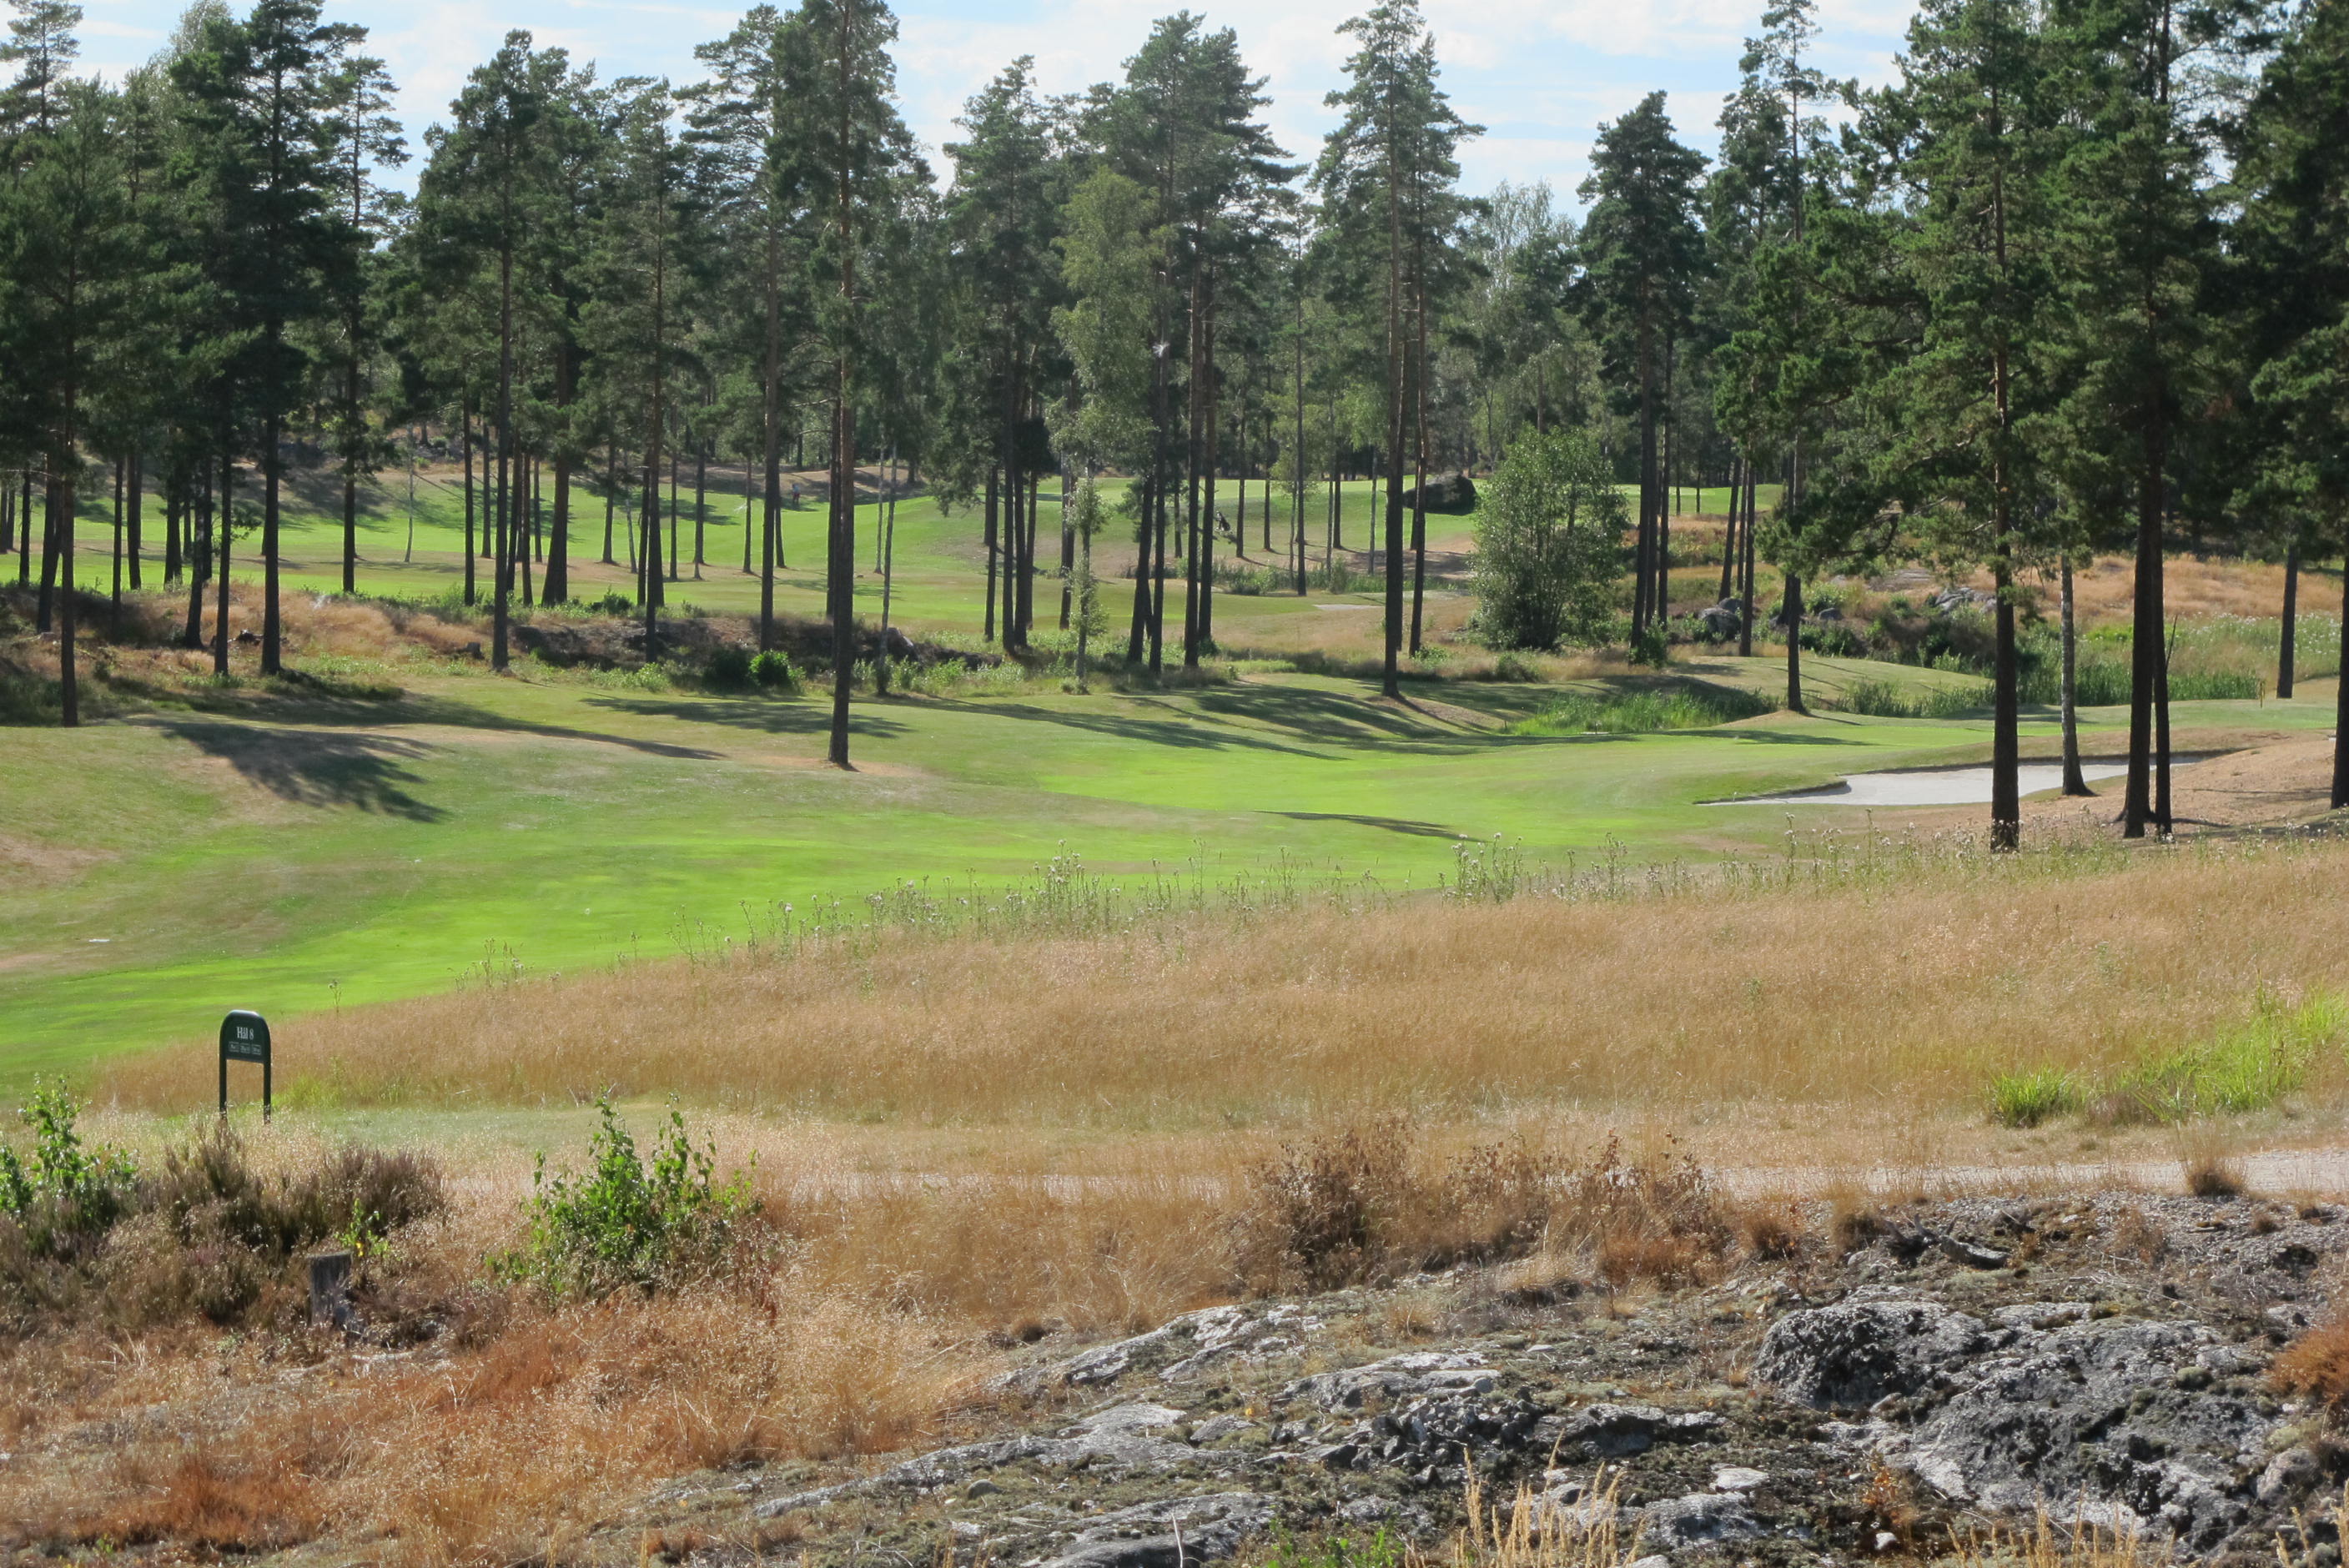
pixel 158 870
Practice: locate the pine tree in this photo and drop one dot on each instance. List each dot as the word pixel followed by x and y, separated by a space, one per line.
pixel 1640 254
pixel 257 94
pixel 860 161
pixel 2293 168
pixel 1980 94
pixel 1396 122
pixel 68 252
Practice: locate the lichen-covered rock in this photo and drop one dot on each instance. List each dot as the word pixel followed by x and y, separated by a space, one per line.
pixel 1699 1519
pixel 1849 1355
pixel 2108 1410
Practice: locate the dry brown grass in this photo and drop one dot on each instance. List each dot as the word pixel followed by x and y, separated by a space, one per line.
pixel 2316 1364
pixel 1894 999
pixel 465 1453
pixel 863 1319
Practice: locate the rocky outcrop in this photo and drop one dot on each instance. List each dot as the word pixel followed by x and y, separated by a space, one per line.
pixel 2101 1357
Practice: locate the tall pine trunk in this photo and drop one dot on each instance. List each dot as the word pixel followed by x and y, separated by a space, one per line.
pixel 2145 635
pixel 1391 683
pixel 1418 441
pixel 1793 613
pixel 137 516
pixel 2284 654
pixel 465 441
pixel 2075 782
pixel 227 526
pixel 61 505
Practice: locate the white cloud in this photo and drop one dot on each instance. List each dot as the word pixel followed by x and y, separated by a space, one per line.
pixel 1541 73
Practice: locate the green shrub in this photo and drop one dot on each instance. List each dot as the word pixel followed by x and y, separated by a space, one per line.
pixel 1882 699
pixel 1645 712
pixel 1236 577
pixel 1876 699
pixel 1549 542
pixel 65 1189
pixel 626 1224
pixel 730 667
pixel 772 669
pixel 2028 1099
pixel 1337 577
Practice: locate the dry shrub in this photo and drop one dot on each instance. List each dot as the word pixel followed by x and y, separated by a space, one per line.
pixel 1772 1230
pixel 214 1502
pixel 2316 1364
pixel 1367 1202
pixel 2047 1544
pixel 1533 1531
pixel 212 1234
pixel 1853 1221
pixel 2209 1175
pixel 1122 1251
pixel 2140 1235
pixel 1326 1212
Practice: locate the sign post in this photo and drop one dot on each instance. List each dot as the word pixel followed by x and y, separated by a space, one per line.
pixel 244 1038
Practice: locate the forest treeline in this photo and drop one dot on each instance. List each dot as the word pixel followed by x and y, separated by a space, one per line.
pixel 2074 279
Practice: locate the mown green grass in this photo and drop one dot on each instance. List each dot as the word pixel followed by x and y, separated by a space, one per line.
pixel 158 869
pixel 938 576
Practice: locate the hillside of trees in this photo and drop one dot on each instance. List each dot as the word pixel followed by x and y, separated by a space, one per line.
pixel 2074 279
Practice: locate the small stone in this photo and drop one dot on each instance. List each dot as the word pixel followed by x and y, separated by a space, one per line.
pixel 1886 1541
pixel 2286 1473
pixel 1656 1560
pixel 1332 1456
pixel 1738 1478
pixel 1971 1255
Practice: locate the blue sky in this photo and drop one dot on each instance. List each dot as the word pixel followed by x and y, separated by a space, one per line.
pixel 1540 75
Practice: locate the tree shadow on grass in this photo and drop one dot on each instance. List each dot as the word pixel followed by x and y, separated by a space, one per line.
pixel 1388 824
pixel 1178 731
pixel 317 767
pixel 767 716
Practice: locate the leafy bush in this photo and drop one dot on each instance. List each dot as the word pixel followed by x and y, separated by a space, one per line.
pixel 628 1224
pixel 1549 544
pixel 1337 577
pixel 2028 1099
pixel 1689 707
pixel 772 669
pixel 1237 577
pixel 730 667
pixel 1835 640
pixel 66 1190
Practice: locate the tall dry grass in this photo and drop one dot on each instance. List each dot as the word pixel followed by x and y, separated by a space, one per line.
pixel 1896 992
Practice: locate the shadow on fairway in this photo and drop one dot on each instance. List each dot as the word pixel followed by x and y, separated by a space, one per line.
pixel 317 767
pixel 1342 718
pixel 1180 729
pixel 750 713
pixel 1387 824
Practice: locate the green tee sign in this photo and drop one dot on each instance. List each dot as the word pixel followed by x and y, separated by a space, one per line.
pixel 244 1038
